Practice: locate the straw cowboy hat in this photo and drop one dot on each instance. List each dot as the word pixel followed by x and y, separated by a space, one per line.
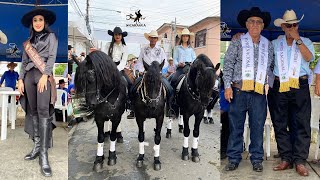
pixel 289 17
pixel 153 33
pixel 185 31
pixel 131 57
pixel 49 16
pixel 244 15
pixel 170 59
pixel 117 30
pixel 12 64
pixel 3 38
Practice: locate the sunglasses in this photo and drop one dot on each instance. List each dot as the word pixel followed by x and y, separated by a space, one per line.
pixel 291 25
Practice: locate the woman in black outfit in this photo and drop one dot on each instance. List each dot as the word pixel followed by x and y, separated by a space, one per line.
pixel 37 95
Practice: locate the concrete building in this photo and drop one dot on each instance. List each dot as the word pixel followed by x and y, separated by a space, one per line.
pixel 205 41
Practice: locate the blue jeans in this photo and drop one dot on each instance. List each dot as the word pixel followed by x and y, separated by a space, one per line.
pixel 256 106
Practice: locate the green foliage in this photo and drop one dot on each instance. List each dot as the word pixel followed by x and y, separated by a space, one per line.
pixel 60 69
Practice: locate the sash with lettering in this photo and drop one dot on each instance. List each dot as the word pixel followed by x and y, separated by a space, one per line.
pixel 288 76
pixel 37 60
pixel 248 64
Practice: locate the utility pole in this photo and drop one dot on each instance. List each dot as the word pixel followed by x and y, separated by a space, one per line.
pixel 87 17
pixel 175 31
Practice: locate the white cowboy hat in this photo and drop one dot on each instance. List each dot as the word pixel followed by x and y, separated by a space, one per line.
pixel 185 31
pixel 3 38
pixel 289 17
pixel 153 33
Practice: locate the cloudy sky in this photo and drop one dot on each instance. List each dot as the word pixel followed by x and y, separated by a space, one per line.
pixel 106 14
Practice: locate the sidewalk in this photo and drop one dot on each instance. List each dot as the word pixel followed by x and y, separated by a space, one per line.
pixel 245 171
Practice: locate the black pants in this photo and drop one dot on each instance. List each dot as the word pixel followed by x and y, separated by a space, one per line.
pixel 224 119
pixel 39 102
pixel 176 76
pixel 292 113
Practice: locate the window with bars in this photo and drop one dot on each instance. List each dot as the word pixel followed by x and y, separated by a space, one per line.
pixel 200 38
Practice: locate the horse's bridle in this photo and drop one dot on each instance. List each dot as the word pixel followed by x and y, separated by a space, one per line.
pixel 145 97
pixel 98 94
pixel 195 95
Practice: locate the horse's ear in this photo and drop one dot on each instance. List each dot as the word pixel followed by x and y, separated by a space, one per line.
pixel 162 64
pixel 145 65
pixel 217 66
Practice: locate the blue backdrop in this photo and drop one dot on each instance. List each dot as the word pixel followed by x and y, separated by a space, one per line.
pixel 10 23
pixel 309 26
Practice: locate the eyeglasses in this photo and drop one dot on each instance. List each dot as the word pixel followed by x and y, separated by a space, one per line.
pixel 290 25
pixel 257 22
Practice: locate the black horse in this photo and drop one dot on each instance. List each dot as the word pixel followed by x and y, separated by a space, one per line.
pixel 98 79
pixel 193 98
pixel 214 99
pixel 148 102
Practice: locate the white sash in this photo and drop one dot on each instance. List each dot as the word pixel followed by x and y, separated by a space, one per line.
pixel 248 64
pixel 288 76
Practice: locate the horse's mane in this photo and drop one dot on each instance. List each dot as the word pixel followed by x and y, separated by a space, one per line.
pixel 107 74
pixel 201 63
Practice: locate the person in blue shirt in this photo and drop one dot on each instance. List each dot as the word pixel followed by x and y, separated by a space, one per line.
pixel 62 85
pixel 183 57
pixel 224 119
pixel 10 77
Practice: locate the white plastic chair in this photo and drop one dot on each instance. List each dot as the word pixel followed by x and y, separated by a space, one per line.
pixel 59 104
pixel 5 89
pixel 315 117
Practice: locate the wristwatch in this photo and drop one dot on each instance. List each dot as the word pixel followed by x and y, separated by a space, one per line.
pixel 299 42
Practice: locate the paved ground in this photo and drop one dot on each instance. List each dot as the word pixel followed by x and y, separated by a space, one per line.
pixel 13 150
pixel 83 143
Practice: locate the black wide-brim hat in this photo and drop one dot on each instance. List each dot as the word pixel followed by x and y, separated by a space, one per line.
pixel 244 15
pixel 117 30
pixel 49 16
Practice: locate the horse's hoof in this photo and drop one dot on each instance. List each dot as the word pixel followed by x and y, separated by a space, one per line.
pixel 206 121
pixel 112 162
pixel 180 130
pixel 97 167
pixel 112 159
pixel 211 120
pixel 157 167
pixel 185 157
pixel 195 155
pixel 139 163
pixel 120 140
pixel 168 135
pixel 195 159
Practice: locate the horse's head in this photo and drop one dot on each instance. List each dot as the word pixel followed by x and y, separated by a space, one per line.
pixel 152 81
pixel 96 76
pixel 203 74
pixel 85 81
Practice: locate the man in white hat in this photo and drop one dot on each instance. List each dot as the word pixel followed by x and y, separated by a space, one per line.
pixel 293 54
pixel 151 53
pixel 3 38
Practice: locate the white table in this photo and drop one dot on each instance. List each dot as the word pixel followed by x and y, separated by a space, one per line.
pixel 12 111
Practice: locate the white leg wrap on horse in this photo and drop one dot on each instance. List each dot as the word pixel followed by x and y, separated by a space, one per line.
pixel 205 113
pixel 156 149
pixel 169 123
pixel 210 114
pixel 119 127
pixel 180 120
pixel 195 143
pixel 100 149
pixel 185 142
pixel 141 147
pixel 112 146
